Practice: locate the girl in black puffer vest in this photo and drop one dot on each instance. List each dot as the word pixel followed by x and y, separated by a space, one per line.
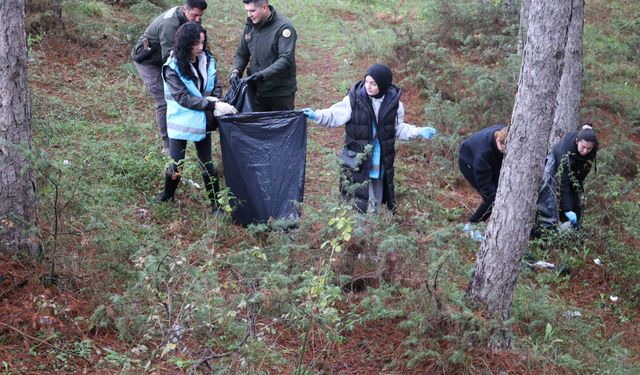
pixel 373 117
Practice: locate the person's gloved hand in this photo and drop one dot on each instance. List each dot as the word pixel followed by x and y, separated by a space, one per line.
pixel 255 77
pixel 573 218
pixel 234 77
pixel 223 108
pixel 310 113
pixel 427 132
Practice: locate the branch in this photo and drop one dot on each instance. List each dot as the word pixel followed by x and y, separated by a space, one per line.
pixel 205 360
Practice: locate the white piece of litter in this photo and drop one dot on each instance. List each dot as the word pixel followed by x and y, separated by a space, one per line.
pixel 597 261
pixel 572 314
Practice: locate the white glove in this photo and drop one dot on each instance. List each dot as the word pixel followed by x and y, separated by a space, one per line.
pixel 223 108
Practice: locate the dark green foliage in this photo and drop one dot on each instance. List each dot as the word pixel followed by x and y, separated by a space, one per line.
pixel 462 55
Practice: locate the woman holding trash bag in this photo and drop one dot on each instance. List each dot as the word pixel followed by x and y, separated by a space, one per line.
pixel 191 90
pixel 373 117
pixel 480 160
pixel 568 164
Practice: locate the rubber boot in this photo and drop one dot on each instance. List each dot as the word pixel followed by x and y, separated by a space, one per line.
pixel 170 186
pixel 213 187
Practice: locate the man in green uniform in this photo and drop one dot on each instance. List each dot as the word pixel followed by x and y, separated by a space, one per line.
pixel 268 47
pixel 152 50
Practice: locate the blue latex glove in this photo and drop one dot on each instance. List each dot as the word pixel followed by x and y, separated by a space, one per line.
pixel 573 218
pixel 254 77
pixel 427 132
pixel 311 115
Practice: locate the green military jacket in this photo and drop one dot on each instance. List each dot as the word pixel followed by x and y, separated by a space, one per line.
pixel 269 48
pixel 160 35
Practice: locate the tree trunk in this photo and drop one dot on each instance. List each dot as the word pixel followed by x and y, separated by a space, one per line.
pixel 499 259
pixel 17 187
pixel 567 115
pixel 524 21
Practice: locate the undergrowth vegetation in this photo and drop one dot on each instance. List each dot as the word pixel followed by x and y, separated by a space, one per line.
pixel 178 289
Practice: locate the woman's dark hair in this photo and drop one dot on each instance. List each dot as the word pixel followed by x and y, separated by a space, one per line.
pixel 586 133
pixel 186 37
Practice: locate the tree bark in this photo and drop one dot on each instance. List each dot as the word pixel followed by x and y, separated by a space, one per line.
pixel 567 116
pixel 499 259
pixel 524 20
pixel 17 185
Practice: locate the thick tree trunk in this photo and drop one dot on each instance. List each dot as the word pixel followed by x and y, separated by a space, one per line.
pixel 499 259
pixel 567 115
pixel 17 187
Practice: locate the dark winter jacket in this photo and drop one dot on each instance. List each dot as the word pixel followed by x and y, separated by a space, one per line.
pixel 481 153
pixel 359 129
pixel 160 34
pixel 270 49
pixel 563 181
pixel 572 169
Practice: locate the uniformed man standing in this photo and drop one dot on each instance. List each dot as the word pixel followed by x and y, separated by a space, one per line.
pixel 152 50
pixel 268 47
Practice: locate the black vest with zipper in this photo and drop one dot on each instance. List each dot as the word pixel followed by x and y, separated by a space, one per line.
pixel 359 129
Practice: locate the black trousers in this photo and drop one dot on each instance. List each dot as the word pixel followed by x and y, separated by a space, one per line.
pixel 483 212
pixel 177 148
pixel 275 103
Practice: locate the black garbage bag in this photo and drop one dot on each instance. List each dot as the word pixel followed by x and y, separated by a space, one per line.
pixel 240 95
pixel 547 205
pixel 264 157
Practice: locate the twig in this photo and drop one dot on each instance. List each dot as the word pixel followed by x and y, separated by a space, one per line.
pixel 435 278
pixel 303 349
pixel 252 311
pixel 45 343
pixel 432 293
pixel 373 275
pixel 164 304
pixel 205 360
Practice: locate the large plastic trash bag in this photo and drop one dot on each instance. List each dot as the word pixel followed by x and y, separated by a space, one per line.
pixel 240 95
pixel 264 158
pixel 548 197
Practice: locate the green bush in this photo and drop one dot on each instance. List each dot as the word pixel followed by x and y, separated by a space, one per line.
pixel 476 90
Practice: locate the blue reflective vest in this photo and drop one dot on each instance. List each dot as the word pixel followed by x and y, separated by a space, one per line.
pixel 184 123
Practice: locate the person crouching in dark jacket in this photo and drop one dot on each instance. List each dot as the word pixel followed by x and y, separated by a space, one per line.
pixel 568 165
pixel 480 160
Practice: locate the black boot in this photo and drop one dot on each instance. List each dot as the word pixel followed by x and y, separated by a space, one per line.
pixel 170 186
pixel 213 187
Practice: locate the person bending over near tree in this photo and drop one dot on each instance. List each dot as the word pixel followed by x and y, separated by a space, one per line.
pixel 480 160
pixel 268 47
pixel 192 91
pixel 568 164
pixel 152 50
pixel 373 116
